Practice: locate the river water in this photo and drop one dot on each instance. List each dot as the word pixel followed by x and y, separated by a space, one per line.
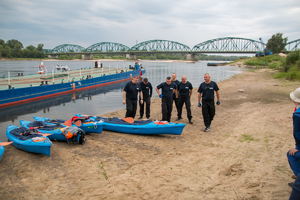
pixel 101 100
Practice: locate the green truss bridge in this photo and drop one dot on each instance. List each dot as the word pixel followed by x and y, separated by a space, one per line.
pixel 219 45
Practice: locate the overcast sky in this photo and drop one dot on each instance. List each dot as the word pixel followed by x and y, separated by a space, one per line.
pixel 56 22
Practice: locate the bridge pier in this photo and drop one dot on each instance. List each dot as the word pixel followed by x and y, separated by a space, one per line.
pixel 131 56
pixel 52 56
pixel 191 56
pixel 86 56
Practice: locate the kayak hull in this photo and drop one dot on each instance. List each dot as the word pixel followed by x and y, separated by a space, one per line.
pixel 92 127
pixel 2 149
pixel 41 147
pixel 146 129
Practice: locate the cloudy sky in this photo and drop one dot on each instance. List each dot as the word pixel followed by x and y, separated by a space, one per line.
pixel 56 22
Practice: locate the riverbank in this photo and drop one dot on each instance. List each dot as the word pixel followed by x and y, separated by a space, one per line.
pixel 242 157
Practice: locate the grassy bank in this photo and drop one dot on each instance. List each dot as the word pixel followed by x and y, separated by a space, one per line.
pixel 288 67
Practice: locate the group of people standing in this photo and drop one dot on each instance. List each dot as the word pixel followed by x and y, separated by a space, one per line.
pixel 172 90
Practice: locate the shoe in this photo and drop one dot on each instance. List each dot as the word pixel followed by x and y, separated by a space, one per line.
pixel 206 129
pixel 294 177
pixel 190 121
pixel 291 184
pixel 140 118
pixel 178 119
pixel 181 118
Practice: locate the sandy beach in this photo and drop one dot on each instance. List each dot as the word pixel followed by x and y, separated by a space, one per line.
pixel 242 157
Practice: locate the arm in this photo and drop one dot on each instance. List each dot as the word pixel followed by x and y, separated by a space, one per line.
pixel 157 91
pixel 218 95
pixel 175 91
pixel 191 92
pixel 124 95
pixel 141 95
pixel 150 91
pixel 199 97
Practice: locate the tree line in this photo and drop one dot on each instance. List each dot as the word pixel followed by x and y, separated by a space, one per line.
pixel 15 49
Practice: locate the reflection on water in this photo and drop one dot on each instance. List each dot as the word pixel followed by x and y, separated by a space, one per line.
pixel 103 99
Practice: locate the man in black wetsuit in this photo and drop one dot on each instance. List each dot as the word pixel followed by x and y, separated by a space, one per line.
pixel 185 90
pixel 166 96
pixel 147 94
pixel 131 90
pixel 175 96
pixel 206 89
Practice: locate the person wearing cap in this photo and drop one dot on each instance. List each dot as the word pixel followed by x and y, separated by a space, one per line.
pixel 130 92
pixel 206 91
pixel 175 96
pixel 166 95
pixel 147 94
pixel 293 154
pixel 185 90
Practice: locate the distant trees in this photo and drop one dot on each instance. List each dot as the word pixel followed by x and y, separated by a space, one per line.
pixel 276 44
pixel 14 49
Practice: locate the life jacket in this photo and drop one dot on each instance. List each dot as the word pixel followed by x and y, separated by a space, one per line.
pixel 161 122
pixel 72 132
pixel 75 118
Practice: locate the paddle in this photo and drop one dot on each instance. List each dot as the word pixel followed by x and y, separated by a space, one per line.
pixel 78 123
pixel 87 115
pixel 46 134
pixel 67 123
pixel 129 120
pixel 5 143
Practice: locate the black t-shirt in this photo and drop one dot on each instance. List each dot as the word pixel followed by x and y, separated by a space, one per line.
pixel 167 90
pixel 146 89
pixel 176 82
pixel 208 90
pixel 132 90
pixel 184 89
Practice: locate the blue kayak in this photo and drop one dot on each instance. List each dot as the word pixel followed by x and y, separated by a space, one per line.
pixel 87 125
pixel 2 149
pixel 35 143
pixel 146 127
pixel 56 130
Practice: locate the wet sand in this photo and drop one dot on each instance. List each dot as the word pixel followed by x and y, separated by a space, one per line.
pixel 242 157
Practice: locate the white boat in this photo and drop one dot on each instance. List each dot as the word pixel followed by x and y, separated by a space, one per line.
pixel 62 68
pixel 58 68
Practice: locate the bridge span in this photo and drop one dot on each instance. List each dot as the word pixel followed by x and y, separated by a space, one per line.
pixel 230 45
